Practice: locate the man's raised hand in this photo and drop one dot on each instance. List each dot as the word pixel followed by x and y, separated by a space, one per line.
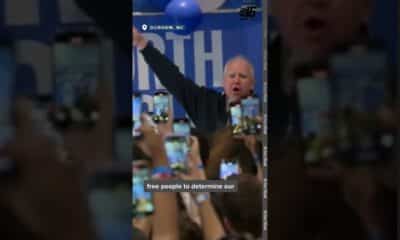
pixel 138 39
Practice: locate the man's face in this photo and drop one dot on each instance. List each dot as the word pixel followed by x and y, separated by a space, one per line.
pixel 317 26
pixel 238 81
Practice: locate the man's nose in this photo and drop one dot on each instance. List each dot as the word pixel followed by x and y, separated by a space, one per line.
pixel 236 79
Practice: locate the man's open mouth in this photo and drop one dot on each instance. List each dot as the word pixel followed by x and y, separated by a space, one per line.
pixel 236 90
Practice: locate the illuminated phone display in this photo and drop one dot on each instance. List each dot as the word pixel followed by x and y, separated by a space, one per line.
pixel 136 112
pixel 228 168
pixel 160 107
pixel 177 150
pixel 182 127
pixel 141 200
pixel 76 60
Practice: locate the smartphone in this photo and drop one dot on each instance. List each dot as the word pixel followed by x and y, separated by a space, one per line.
pixel 228 168
pixel 360 75
pixel 251 110
pixel 236 118
pixel 182 127
pixel 315 103
pixel 160 107
pixel 177 149
pixel 76 60
pixel 136 112
pixel 7 80
pixel 142 201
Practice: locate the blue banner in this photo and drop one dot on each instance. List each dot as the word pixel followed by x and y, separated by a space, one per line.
pixel 202 54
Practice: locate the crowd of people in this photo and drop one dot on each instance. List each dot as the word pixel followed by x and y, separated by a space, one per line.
pixel 207 215
pixel 335 198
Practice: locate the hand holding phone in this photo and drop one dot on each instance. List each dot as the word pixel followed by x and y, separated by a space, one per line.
pixel 77 65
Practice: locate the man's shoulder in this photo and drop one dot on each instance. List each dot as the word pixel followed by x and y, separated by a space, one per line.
pixel 212 93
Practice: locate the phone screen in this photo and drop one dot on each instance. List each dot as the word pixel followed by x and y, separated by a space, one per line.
pixel 177 150
pixel 182 127
pixel 141 200
pixel 76 73
pixel 315 102
pixel 228 169
pixel 359 78
pixel 250 109
pixel 236 118
pixel 136 111
pixel 315 105
pixel 160 107
pixel 7 74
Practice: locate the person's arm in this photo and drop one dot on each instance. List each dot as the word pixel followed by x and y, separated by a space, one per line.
pixel 186 91
pixel 47 194
pixel 211 224
pixel 165 217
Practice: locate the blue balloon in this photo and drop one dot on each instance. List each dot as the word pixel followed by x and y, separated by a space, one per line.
pixel 160 4
pixel 186 13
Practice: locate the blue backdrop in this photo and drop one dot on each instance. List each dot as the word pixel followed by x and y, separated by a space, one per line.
pixel 202 54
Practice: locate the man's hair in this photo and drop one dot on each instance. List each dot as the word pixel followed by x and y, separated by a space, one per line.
pixel 243 209
pixel 240 57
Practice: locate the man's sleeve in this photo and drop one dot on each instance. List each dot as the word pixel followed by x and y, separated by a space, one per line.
pixel 183 89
